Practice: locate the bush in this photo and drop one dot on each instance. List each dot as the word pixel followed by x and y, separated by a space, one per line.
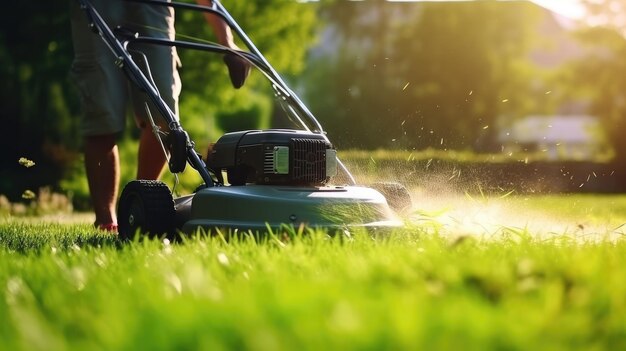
pixel 252 113
pixel 45 202
pixel 248 118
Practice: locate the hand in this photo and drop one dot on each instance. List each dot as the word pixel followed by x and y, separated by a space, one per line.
pixel 238 69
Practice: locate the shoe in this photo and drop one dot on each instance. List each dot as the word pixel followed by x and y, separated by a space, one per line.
pixel 238 69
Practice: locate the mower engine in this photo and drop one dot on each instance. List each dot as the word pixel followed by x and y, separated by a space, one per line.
pixel 273 157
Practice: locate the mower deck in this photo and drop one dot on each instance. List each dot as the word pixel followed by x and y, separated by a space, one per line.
pixel 259 207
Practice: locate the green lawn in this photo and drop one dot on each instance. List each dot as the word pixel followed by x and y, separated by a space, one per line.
pixel 467 273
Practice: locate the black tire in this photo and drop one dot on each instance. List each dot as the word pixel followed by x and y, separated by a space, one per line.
pixel 397 195
pixel 146 207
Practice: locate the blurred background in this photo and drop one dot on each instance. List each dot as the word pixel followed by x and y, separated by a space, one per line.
pixel 526 96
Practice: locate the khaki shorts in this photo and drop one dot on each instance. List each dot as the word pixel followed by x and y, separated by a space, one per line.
pixel 105 92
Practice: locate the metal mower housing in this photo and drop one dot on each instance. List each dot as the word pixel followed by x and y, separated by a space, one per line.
pixel 258 208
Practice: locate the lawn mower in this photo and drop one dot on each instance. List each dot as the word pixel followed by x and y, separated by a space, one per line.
pixel 252 180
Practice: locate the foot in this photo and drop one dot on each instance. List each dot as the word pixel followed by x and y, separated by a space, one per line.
pixel 109 227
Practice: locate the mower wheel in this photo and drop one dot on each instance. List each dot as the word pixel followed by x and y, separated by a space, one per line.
pixel 397 195
pixel 146 206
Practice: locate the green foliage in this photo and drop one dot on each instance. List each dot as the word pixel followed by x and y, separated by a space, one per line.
pixel 40 110
pixel 70 287
pixel 283 30
pixel 44 202
pixel 424 74
pixel 253 113
pixel 594 77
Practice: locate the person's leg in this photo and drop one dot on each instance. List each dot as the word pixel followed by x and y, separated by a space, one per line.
pixel 103 175
pixel 151 159
pixel 102 89
pixel 163 62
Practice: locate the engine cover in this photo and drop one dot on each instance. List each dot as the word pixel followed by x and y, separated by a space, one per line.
pixel 275 156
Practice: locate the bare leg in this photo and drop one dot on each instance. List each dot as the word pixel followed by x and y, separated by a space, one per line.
pixel 151 159
pixel 103 175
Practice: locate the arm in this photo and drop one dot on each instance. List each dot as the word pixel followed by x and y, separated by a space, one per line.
pixel 238 68
pixel 220 27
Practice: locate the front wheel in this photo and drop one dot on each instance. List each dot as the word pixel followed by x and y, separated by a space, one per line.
pixel 146 207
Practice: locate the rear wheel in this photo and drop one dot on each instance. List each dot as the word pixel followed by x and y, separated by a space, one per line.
pixel 146 207
pixel 397 195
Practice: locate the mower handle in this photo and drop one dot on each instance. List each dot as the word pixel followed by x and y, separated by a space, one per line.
pixel 296 107
pixel 291 95
pixel 255 57
pixel 123 59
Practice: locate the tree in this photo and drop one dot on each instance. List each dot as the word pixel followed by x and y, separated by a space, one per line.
pixel 424 74
pixel 40 106
pixel 600 74
pixel 36 99
pixel 606 13
pixel 283 30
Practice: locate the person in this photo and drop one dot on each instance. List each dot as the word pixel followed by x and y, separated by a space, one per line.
pixel 105 92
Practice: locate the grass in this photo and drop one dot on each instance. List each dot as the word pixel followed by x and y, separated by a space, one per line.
pixel 432 285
